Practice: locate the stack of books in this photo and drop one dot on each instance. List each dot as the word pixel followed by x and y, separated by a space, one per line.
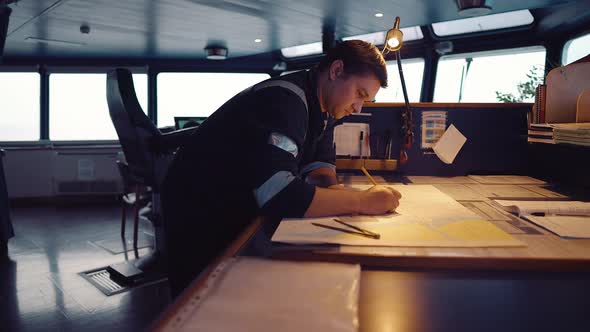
pixel 560 133
pixel 572 133
pixel 540 133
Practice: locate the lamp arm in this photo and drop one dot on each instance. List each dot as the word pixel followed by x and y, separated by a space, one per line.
pixel 401 77
pixel 396 23
pixel 407 125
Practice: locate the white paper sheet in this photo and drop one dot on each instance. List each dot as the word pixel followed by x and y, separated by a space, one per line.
pixel 421 179
pixel 449 144
pixel 505 191
pixel 426 217
pixel 506 179
pixel 566 226
pixel 460 192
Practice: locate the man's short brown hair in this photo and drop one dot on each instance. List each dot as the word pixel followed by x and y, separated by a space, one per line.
pixel 359 58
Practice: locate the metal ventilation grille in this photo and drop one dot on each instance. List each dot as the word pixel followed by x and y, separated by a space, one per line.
pixel 101 279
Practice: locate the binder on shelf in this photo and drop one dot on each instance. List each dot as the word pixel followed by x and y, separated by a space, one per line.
pixel 540 96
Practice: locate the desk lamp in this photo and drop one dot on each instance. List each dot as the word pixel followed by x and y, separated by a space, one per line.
pixel 393 43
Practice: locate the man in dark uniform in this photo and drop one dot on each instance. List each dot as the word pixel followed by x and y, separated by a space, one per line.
pixel 269 151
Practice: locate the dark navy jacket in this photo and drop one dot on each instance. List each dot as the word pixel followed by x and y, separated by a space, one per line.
pixel 255 150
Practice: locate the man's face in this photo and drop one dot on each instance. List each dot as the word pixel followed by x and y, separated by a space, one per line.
pixel 345 94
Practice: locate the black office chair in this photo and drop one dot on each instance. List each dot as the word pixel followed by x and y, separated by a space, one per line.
pixel 6 230
pixel 147 151
pixel 137 196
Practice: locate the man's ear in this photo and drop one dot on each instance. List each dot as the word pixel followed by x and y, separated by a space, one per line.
pixel 336 69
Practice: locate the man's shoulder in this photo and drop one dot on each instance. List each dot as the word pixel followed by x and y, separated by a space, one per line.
pixel 278 92
pixel 294 82
pixel 298 77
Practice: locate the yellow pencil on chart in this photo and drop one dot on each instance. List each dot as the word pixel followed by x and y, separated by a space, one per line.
pixel 355 229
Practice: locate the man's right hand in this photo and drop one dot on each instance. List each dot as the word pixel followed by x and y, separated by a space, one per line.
pixel 379 200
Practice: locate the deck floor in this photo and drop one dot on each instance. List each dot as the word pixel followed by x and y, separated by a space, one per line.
pixel 41 289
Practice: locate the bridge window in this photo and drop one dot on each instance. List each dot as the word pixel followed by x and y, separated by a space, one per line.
pixel 198 94
pixel 493 76
pixel 484 23
pixel 576 49
pixel 78 107
pixel 302 50
pixel 413 73
pixel 19 106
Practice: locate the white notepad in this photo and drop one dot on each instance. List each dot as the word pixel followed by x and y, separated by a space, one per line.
pixel 521 208
pixel 576 227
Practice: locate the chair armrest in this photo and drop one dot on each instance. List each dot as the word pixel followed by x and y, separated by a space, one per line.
pixel 169 142
pixel 166 129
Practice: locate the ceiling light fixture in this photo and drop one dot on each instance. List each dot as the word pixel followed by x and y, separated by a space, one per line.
pixel 378 14
pixel 85 29
pixel 216 52
pixel 470 8
pixel 258 40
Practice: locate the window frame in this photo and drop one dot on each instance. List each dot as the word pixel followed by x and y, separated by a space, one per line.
pixel 481 53
pixel 199 72
pixel 26 69
pixel 87 70
pixel 568 43
pixel 396 74
pixel 47 70
pixel 482 32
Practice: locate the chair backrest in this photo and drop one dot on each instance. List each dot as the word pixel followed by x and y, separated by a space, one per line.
pixel 6 230
pixel 136 131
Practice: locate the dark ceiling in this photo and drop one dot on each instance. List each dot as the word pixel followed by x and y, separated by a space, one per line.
pixel 182 28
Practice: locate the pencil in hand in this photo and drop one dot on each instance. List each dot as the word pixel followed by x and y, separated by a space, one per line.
pixel 368 175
